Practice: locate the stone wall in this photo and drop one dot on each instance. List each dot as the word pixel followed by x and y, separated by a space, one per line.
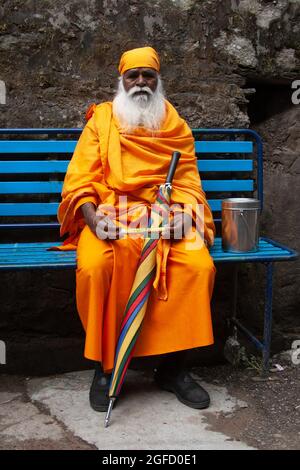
pixel 225 63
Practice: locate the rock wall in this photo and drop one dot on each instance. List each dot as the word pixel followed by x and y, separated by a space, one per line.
pixel 225 63
pixel 58 56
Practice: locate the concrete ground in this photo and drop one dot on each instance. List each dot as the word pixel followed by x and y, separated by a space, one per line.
pixel 245 413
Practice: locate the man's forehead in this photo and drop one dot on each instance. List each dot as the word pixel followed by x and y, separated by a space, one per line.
pixel 141 69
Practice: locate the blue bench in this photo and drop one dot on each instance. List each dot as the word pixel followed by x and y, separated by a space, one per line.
pixel 230 164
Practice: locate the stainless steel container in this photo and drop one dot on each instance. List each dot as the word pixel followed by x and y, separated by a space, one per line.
pixel 240 224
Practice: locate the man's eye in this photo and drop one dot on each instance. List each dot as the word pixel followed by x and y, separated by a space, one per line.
pixel 148 75
pixel 132 76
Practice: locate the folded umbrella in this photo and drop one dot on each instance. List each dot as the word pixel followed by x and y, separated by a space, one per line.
pixel 137 303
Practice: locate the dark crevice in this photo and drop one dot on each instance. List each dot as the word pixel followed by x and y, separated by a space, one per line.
pixel 269 99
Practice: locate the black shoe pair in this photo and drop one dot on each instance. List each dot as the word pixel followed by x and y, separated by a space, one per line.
pixel 186 389
pixel 99 399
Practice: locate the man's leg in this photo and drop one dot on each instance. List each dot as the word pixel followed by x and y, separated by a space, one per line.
pixel 172 375
pixel 95 262
pixel 183 321
pixel 196 270
pixel 104 276
pixel 93 276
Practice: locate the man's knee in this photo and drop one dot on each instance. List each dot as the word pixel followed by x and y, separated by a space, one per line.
pixel 201 265
pixel 95 263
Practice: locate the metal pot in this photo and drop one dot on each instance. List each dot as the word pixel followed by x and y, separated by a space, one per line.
pixel 240 224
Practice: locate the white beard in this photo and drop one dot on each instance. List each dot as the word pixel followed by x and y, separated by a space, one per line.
pixel 147 110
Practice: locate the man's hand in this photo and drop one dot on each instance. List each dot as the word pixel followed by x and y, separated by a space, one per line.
pixel 179 226
pixel 101 225
pixel 106 229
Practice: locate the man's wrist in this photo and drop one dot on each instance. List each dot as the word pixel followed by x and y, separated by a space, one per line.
pixel 89 214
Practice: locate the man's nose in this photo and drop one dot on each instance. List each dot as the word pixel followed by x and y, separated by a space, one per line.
pixel 141 81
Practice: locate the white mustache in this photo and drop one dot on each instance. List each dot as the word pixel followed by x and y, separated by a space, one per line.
pixel 137 89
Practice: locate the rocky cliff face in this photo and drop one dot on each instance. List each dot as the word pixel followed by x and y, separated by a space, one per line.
pixel 225 63
pixel 58 56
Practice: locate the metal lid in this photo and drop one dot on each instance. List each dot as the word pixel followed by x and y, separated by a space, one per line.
pixel 240 203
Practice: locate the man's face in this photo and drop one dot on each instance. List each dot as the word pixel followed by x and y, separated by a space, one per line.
pixel 140 77
pixel 140 100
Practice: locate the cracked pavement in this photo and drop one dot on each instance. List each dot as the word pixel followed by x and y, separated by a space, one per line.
pixel 53 412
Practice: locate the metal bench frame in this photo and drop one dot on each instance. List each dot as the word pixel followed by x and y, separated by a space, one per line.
pixel 20 256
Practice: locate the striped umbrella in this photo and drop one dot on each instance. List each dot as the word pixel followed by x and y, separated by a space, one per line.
pixel 137 304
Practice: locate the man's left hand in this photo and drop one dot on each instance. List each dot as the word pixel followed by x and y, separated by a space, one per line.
pixel 179 226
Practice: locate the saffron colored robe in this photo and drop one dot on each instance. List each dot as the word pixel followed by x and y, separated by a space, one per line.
pixel 106 164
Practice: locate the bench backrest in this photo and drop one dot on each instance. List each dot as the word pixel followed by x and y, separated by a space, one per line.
pixel 32 171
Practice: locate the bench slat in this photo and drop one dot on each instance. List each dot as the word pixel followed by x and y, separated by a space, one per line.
pixel 31 187
pixel 34 255
pixel 50 208
pixel 66 146
pixel 37 146
pixel 24 208
pixel 60 166
pixel 38 254
pixel 37 246
pixel 54 187
pixel 225 165
pixel 32 246
pixel 15 254
pixel 223 146
pixel 227 185
pixel 215 204
pixel 34 166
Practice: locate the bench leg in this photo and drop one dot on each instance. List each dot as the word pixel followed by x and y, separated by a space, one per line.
pixel 268 318
pixel 235 290
pixel 231 321
pixel 265 345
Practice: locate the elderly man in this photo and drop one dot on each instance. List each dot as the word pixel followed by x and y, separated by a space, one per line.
pixel 124 153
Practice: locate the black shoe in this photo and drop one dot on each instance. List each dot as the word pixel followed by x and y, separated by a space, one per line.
pixel 99 399
pixel 186 389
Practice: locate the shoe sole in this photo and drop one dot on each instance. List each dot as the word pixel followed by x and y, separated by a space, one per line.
pixel 102 408
pixel 197 406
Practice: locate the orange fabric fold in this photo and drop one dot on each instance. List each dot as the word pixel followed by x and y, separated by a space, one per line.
pixel 181 322
pixel 108 163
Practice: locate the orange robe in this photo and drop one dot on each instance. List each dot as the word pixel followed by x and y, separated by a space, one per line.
pixel 107 164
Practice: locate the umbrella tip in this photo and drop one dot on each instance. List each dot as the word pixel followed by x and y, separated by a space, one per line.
pixel 107 417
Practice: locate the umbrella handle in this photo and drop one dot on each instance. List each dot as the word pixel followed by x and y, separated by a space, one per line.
pixel 175 157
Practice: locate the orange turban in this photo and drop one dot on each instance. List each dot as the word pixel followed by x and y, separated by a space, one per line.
pixel 140 57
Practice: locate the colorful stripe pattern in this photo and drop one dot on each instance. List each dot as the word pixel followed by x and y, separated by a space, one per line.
pixel 140 291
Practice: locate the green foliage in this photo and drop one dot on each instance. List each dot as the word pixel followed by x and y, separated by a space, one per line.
pixel 238 356
pixel 249 361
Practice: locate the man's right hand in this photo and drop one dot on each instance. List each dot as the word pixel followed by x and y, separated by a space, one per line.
pixel 101 225
pixel 106 229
